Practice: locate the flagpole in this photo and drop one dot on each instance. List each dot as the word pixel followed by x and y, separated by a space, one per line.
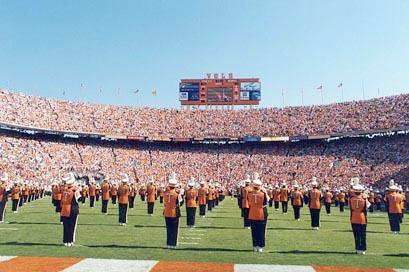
pixel 342 93
pixel 322 95
pixel 282 94
pixel 363 90
pixel 302 96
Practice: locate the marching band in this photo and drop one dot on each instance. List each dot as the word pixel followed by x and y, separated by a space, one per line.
pixel 253 198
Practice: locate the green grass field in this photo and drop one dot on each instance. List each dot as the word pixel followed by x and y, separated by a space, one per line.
pixel 220 237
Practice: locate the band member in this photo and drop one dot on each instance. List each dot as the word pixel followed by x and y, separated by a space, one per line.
pixel 191 196
pixel 142 193
pixel 151 193
pixel 69 209
pixel 210 198
pixel 358 206
pixel 276 196
pixel 297 200
pixel 341 200
pixel 393 201
pixel 202 195
pixel 132 195
pixel 284 197
pixel 257 202
pixel 92 192
pixel 105 195
pixel 315 204
pixel 160 191
pixel 371 199
pixel 84 194
pixel 15 197
pixel 123 194
pixel 97 192
pixel 378 200
pixel 328 201
pixel 172 212
pixel 26 192
pixel 114 193
pixel 4 192
pixel 245 202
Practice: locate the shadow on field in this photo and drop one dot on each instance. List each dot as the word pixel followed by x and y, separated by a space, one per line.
pixel 28 244
pixel 372 231
pixel 275 228
pixel 397 255
pixel 58 223
pixel 316 252
pixel 216 249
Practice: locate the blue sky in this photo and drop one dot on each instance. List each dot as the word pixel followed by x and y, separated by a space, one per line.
pixel 48 47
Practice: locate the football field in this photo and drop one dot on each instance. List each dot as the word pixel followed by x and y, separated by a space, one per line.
pixel 220 237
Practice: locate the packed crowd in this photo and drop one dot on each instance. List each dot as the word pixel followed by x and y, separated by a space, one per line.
pixel 380 113
pixel 375 161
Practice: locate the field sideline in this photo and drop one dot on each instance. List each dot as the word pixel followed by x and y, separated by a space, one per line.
pixel 219 238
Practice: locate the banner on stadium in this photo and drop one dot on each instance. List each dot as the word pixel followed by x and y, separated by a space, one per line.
pixel 251 139
pixel 181 139
pixel 298 137
pixel 136 138
pixel 280 139
pixel 115 136
pixel 319 137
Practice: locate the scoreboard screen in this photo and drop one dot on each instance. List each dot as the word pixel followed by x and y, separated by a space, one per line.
pixel 220 91
pixel 219 94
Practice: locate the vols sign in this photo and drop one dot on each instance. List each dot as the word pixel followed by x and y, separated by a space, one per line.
pixel 220 91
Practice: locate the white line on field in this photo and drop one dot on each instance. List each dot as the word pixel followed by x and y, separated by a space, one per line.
pixel 188 243
pixel 191 238
pixel 8 229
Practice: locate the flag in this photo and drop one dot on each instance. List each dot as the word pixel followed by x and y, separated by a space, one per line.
pixel 82 86
pixel 154 92
pixel 340 85
pixel 136 91
pixel 63 93
pixel 319 87
pixel 100 89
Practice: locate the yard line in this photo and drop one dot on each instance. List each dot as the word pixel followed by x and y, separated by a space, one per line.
pixel 188 243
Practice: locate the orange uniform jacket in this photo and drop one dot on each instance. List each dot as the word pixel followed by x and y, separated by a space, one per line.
pixel 191 195
pixel 171 202
pixel 2 192
pixel 297 198
pixel 394 201
pixel 358 210
pixel 151 192
pixel 315 199
pixel 123 193
pixel 257 201
pixel 105 191
pixel 284 195
pixel 92 190
pixel 15 193
pixel 276 194
pixel 244 196
pixel 328 197
pixel 66 200
pixel 202 196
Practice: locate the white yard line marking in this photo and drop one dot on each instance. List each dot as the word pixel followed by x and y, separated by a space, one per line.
pixel 8 228
pixel 272 268
pixel 102 265
pixel 188 243
pixel 6 258
pixel 192 238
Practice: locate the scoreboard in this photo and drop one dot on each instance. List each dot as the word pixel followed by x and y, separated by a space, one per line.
pixel 223 90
